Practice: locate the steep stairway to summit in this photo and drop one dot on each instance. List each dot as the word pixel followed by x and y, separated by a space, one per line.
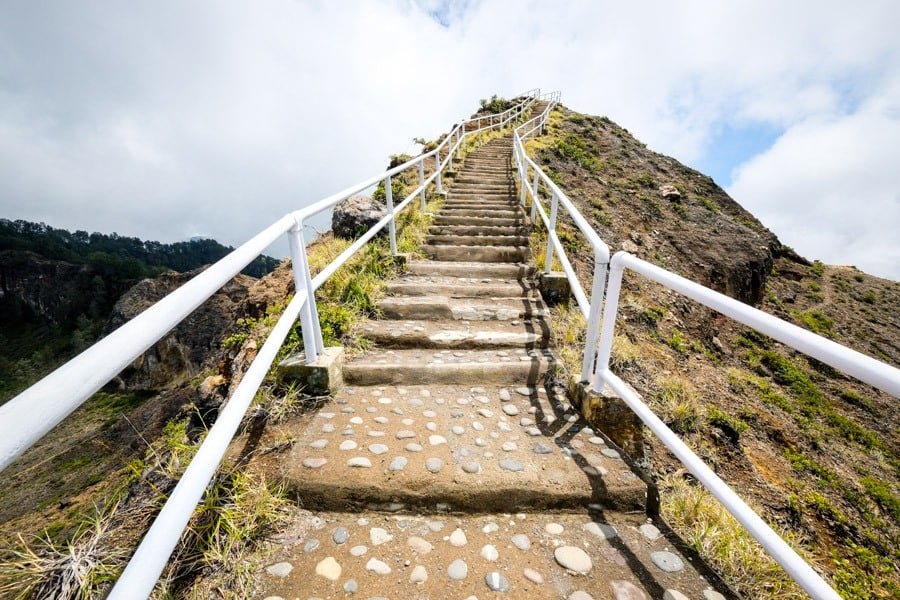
pixel 446 467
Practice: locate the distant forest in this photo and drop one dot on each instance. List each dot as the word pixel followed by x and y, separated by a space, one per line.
pixel 113 255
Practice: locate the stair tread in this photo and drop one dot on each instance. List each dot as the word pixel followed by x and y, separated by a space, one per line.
pixel 468 308
pixel 624 558
pixel 472 424
pixel 454 334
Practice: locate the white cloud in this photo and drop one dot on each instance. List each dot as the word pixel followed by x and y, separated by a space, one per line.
pixel 168 119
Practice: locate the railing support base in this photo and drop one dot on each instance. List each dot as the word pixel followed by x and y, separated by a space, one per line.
pixel 606 412
pixel 321 377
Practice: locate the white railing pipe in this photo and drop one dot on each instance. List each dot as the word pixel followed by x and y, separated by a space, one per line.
pixel 795 566
pixel 34 412
pixel 851 362
pixel 151 556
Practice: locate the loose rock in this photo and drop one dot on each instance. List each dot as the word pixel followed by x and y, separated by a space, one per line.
pixel 418 575
pixel 376 566
pixel 329 569
pixel 496 582
pixel 667 561
pixel 521 541
pixel 458 538
pixel 419 545
pixel 533 576
pixel 340 535
pixel 489 552
pixel 282 569
pixel 314 463
pixel 458 570
pixel 379 536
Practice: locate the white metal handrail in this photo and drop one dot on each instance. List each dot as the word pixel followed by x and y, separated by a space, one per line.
pixel 590 308
pixel 31 414
pixel 151 556
pixel 597 374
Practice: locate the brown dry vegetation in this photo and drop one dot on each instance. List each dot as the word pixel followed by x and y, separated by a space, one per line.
pixel 816 452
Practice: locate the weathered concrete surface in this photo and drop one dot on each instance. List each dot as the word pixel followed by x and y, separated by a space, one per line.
pixel 504 254
pixel 418 549
pixel 459 287
pixel 470 309
pixel 532 333
pixel 321 377
pixel 532 451
pixel 422 366
pixel 470 269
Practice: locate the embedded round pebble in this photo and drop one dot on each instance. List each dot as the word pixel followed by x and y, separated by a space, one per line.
pixel 311 545
pixel 379 536
pixel 282 569
pixel 360 462
pixel 436 440
pixel 610 453
pixel 434 465
pixel 509 447
pixel 404 434
pixel 340 535
pixel 413 447
pixel 490 527
pixel 504 395
pixel 489 552
pixel 533 576
pixel 573 558
pixel 329 569
pixel 471 467
pixel 511 409
pixel 711 594
pixel 376 566
pixel 314 463
pixel 318 444
pixel 600 530
pixel 435 526
pixel 509 464
pixel 458 429
pixel 521 541
pixel 348 445
pixel 418 575
pixel 668 562
pixel 524 391
pixel 419 545
pixel 458 570
pixel 496 582
pixel 649 531
pixel 378 449
pixel 358 550
pixel 542 449
pixel 553 528
pixel 351 586
pixel 598 441
pixel 625 590
pixel 674 595
pixel 398 463
pixel 458 538
pixel 580 595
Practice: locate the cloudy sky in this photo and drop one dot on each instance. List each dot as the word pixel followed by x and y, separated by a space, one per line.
pixel 165 120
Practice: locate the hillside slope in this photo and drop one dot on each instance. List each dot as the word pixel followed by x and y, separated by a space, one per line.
pixel 817 452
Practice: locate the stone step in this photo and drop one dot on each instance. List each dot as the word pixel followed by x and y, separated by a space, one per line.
pixel 459 287
pixel 460 308
pixel 475 230
pixel 504 213
pixel 479 220
pixel 478 240
pixel 484 178
pixel 481 202
pixel 488 171
pixel 455 335
pixel 465 448
pixel 480 187
pixel 400 556
pixel 433 268
pixel 477 253
pixel 460 193
pixel 407 367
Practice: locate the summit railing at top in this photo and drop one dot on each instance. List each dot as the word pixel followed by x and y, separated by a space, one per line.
pixel 31 414
pixel 595 365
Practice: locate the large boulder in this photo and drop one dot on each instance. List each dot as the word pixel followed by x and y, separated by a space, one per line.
pixel 356 215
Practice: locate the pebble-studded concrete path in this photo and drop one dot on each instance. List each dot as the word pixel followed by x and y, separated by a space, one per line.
pixel 446 467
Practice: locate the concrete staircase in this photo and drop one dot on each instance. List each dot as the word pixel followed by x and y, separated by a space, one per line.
pixel 446 468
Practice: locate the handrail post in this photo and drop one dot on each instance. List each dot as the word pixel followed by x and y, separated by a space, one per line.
pixel 601 262
pixel 437 168
pixel 309 317
pixel 392 226
pixel 462 135
pixel 523 180
pixel 551 228
pixel 610 310
pixel 534 196
pixel 422 182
